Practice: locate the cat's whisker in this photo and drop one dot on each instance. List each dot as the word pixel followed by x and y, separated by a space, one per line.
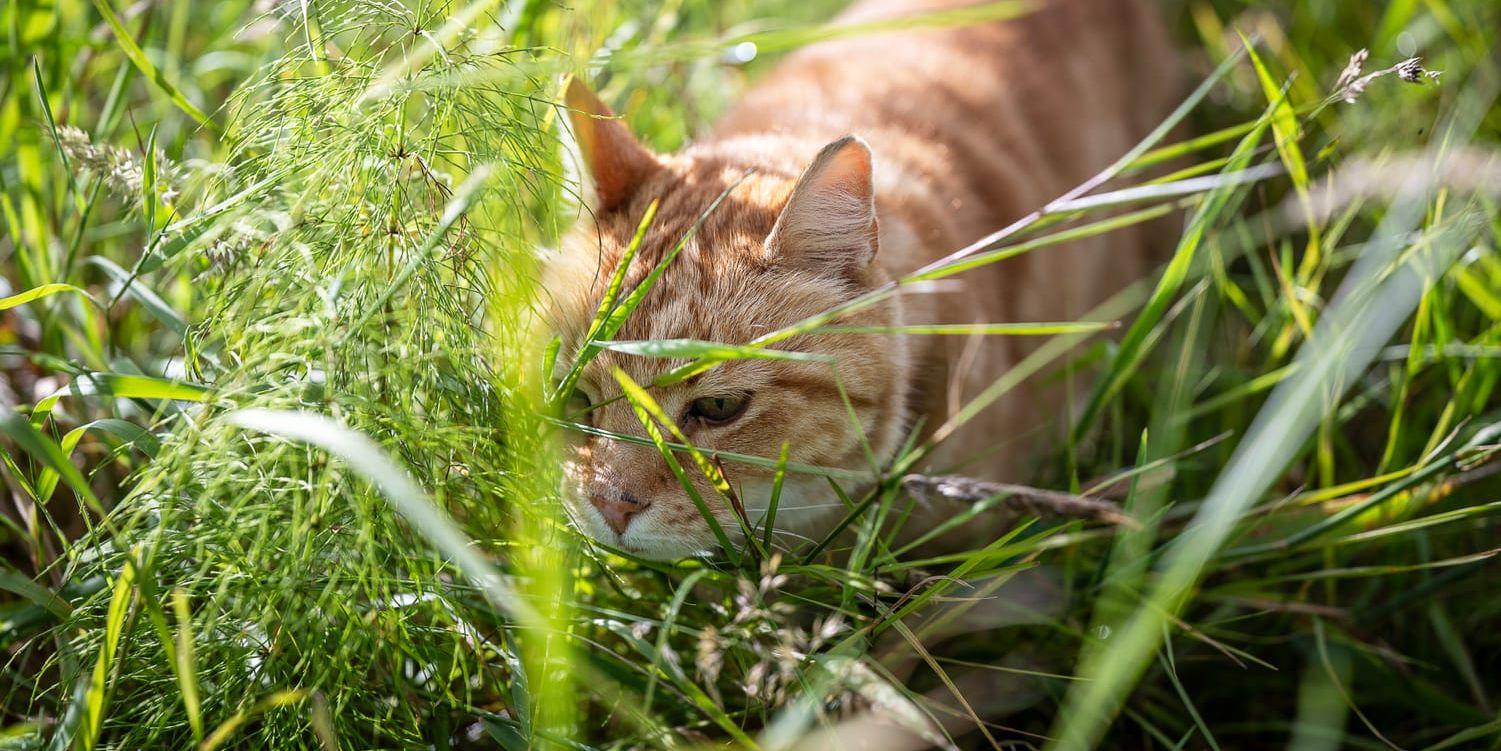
pixel 788 533
pixel 810 507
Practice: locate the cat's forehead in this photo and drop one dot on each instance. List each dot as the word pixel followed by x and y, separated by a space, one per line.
pixel 691 300
pixel 708 274
pixel 712 224
pixel 720 214
pixel 719 286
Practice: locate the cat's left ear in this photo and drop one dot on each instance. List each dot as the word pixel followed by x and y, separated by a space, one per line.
pixel 829 223
pixel 614 163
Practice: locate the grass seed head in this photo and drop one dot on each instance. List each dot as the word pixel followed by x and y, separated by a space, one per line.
pixel 1351 84
pixel 123 172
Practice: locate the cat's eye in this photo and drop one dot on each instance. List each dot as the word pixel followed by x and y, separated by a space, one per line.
pixel 718 410
pixel 578 405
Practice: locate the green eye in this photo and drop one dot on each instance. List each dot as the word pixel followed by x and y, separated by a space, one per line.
pixel 717 410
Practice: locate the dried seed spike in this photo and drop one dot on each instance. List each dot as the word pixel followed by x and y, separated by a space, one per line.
pixel 1352 69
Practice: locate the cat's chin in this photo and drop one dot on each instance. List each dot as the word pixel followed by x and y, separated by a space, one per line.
pixel 663 548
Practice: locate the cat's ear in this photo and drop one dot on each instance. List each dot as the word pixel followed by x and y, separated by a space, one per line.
pixel 613 163
pixel 829 223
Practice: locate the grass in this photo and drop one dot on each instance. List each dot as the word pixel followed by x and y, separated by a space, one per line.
pixel 281 468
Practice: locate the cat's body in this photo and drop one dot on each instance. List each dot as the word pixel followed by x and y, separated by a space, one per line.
pixel 970 128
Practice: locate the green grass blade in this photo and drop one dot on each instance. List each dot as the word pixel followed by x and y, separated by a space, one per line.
pixel 42 448
pixel 15 583
pixel 122 386
pixel 729 456
pixel 130 433
pixel 369 461
pixel 650 415
pixel 1286 133
pixel 977 329
pixel 138 58
pixel 712 351
pixel 1133 346
pixel 607 305
pixel 1376 301
pixel 238 720
pixel 96 699
pixel 39 292
pixel 464 197
pixel 152 302
pixel 616 317
pixel 187 668
pixel 778 476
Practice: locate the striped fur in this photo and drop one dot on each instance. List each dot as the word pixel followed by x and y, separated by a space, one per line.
pixel 969 128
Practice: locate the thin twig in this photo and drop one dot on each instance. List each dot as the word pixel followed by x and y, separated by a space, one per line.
pixel 1019 499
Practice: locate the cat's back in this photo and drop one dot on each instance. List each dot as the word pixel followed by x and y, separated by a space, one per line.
pixel 994 117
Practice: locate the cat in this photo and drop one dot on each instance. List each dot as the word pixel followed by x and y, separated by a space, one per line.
pixel 856 160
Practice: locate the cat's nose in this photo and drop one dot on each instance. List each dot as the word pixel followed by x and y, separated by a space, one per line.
pixel 618 507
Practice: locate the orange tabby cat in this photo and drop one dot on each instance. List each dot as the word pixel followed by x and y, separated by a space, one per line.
pixel 860 160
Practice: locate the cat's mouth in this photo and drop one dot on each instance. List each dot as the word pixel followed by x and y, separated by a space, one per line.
pixel 640 538
pixel 641 525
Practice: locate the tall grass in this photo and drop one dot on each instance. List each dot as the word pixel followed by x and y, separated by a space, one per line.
pixel 282 465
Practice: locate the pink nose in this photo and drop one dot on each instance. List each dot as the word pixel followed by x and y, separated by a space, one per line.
pixel 617 508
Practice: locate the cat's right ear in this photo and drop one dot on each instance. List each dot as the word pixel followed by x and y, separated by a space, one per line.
pixel 613 164
pixel 829 222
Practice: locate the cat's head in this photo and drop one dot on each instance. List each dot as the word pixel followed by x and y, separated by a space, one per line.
pixel 780 247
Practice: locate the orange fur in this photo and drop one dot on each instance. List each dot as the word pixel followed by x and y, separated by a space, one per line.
pixel 964 130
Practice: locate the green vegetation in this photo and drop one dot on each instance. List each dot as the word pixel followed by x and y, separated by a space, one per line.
pixel 279 472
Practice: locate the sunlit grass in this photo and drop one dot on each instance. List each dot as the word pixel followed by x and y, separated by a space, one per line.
pixel 282 458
